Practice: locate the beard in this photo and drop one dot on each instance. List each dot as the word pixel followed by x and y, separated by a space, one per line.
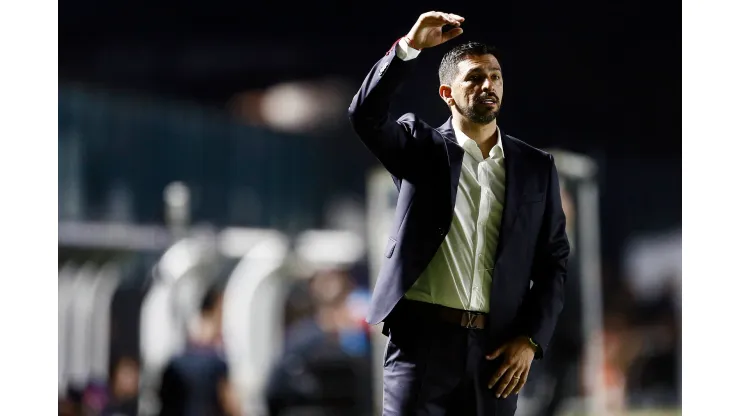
pixel 481 114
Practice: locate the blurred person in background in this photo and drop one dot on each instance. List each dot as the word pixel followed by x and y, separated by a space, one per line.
pixel 327 315
pixel 621 345
pixel 334 291
pixel 196 382
pixel 462 333
pixel 653 375
pixel 71 403
pixel 124 389
pixel 325 354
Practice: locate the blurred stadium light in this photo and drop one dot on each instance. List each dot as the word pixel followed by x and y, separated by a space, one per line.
pixel 301 106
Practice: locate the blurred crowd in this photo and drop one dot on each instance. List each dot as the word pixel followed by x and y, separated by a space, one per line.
pixel 322 366
pixel 324 363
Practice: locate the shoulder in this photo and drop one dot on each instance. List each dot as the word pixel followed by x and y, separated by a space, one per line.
pixel 415 124
pixel 531 153
pixel 424 136
pixel 423 132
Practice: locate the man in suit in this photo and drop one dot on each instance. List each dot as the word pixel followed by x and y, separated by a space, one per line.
pixel 478 218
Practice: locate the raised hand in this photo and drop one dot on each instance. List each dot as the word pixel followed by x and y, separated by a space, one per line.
pixel 427 32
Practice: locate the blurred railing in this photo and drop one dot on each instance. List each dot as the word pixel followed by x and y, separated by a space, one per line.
pixel 124 297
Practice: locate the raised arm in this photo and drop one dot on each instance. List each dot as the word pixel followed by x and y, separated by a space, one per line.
pixel 387 138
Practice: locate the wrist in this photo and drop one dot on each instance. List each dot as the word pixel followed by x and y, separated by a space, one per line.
pixel 410 42
pixel 528 342
pixel 538 352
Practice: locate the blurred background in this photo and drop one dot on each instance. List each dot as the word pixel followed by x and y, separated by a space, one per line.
pixel 220 225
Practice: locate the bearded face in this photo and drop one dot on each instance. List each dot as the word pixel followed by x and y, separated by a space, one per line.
pixel 478 88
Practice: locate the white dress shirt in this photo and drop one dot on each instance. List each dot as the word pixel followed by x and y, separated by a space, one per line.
pixel 459 274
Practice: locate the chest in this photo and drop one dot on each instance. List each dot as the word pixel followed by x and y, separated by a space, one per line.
pixel 481 187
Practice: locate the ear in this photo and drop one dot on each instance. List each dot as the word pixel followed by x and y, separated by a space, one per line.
pixel 445 92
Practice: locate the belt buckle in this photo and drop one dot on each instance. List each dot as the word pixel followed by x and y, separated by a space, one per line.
pixel 468 320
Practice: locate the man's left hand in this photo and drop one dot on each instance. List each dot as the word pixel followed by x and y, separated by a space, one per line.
pixel 518 355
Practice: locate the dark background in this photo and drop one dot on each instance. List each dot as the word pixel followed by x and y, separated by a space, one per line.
pixel 584 73
pixel 597 77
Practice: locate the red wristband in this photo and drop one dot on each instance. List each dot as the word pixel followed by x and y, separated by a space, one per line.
pixel 411 42
pixel 393 48
pixel 408 39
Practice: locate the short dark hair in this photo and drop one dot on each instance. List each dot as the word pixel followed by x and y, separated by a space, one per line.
pixel 211 298
pixel 448 66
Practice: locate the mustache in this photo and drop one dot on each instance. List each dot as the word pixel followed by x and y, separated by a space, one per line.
pixel 488 96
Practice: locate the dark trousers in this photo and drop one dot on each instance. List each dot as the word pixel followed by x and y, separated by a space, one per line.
pixel 436 368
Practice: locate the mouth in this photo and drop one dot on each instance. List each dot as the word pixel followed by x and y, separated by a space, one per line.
pixel 490 102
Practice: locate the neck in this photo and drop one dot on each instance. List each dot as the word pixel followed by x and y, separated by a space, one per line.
pixel 484 135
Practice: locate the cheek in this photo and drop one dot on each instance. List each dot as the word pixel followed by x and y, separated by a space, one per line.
pixel 457 97
pixel 465 96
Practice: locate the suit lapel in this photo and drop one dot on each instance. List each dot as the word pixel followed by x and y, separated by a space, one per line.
pixel 454 157
pixel 515 174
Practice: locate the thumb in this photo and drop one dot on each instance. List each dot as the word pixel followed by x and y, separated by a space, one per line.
pixel 495 354
pixel 452 34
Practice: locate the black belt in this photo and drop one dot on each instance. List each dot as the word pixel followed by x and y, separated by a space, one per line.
pixel 466 319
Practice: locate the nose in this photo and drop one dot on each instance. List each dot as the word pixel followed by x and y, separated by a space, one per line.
pixel 487 85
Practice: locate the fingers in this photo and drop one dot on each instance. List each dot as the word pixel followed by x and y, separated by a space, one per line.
pixel 518 376
pixel 443 18
pixel 522 381
pixel 506 380
pixel 510 377
pixel 495 354
pixel 452 34
pixel 452 19
pixel 499 373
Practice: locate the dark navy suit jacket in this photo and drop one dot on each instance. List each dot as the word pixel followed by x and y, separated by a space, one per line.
pixel 425 164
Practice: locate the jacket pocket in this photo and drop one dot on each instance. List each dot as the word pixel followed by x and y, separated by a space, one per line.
pixel 532 198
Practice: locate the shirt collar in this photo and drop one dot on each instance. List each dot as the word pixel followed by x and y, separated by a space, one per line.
pixel 462 138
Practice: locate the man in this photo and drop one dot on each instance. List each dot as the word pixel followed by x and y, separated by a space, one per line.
pixel 324 361
pixel 124 388
pixel 197 381
pixel 478 217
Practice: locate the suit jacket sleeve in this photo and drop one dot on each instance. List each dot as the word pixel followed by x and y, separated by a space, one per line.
pixel 545 299
pixel 389 140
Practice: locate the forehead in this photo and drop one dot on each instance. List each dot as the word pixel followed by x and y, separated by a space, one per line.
pixel 487 63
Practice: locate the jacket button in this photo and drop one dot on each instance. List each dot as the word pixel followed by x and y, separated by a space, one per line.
pixel 383 68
